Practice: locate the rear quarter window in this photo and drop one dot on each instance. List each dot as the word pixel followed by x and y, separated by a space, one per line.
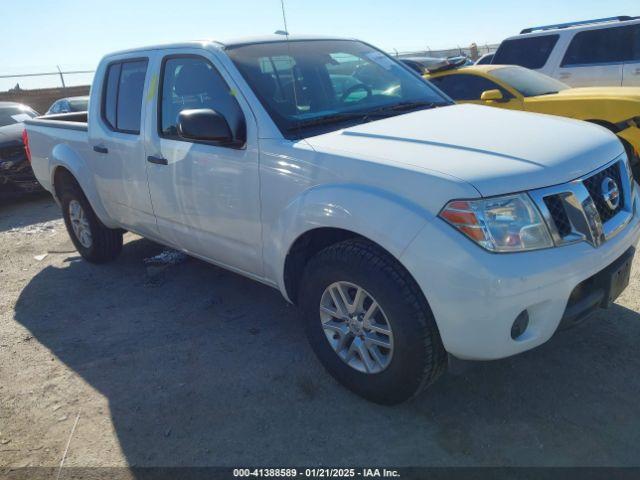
pixel 604 45
pixel 531 52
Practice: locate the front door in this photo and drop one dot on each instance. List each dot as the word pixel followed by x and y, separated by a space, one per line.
pixel 205 196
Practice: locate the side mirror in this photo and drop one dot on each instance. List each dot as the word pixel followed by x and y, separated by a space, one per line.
pixel 204 125
pixel 491 96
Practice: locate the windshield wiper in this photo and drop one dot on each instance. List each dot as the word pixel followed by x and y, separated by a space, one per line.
pixel 365 116
pixel 327 120
pixel 404 106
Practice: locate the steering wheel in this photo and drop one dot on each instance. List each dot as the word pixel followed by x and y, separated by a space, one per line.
pixel 355 88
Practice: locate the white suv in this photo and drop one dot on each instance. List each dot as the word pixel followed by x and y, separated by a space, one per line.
pixel 604 52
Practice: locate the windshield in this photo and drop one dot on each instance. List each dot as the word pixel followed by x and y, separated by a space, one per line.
pixel 528 82
pixel 15 114
pixel 307 86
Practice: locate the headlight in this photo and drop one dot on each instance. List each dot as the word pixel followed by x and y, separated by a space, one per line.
pixel 501 224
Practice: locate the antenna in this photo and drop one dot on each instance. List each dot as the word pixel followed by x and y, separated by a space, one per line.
pixel 284 19
pixel 293 72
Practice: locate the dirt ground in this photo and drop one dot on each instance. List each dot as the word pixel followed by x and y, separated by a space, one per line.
pixel 182 363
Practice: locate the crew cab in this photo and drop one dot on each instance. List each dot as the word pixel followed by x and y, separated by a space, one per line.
pixel 404 226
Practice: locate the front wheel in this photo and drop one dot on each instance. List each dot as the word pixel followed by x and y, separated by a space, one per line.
pixel 93 240
pixel 369 324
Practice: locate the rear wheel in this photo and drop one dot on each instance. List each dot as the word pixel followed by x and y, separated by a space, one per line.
pixel 369 324
pixel 93 240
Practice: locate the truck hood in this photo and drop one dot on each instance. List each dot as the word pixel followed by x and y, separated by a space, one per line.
pixel 497 151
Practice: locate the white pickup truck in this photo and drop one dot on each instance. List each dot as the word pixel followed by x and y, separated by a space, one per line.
pixel 404 226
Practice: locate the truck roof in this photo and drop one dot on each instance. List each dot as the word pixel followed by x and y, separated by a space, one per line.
pixel 234 42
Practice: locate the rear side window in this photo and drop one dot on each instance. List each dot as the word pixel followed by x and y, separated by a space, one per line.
pixel 122 95
pixel 532 52
pixel 466 87
pixel 605 45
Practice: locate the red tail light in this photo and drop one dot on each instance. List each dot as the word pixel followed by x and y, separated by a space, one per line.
pixel 25 140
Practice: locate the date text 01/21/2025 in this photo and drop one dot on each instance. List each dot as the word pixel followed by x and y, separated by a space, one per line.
pixel 316 472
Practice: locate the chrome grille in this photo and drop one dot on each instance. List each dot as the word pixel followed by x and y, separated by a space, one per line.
pixel 594 186
pixel 559 215
pixel 577 211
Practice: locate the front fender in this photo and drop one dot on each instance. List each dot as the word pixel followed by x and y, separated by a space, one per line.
pixel 62 156
pixel 380 216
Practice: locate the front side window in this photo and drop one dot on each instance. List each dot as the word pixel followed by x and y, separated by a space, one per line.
pixel 321 85
pixel 191 82
pixel 532 52
pixel 528 82
pixel 605 45
pixel 122 95
pixel 462 87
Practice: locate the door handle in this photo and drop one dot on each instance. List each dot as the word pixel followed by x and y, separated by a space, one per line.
pixel 100 149
pixel 157 160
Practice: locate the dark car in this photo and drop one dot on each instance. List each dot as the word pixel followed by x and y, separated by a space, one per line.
pixel 424 65
pixel 68 105
pixel 16 175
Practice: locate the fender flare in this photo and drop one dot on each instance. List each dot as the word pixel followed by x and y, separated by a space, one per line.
pixel 382 217
pixel 62 156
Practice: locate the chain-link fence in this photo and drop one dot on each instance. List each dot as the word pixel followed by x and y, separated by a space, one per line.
pixel 473 52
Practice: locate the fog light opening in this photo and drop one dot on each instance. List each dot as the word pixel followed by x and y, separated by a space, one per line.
pixel 520 325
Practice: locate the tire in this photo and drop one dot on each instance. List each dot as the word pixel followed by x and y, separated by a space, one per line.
pixel 105 243
pixel 417 357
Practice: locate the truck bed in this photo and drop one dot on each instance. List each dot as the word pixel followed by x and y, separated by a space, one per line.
pixel 54 135
pixel 73 120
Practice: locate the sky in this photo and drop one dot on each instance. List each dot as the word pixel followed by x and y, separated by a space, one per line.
pixel 40 34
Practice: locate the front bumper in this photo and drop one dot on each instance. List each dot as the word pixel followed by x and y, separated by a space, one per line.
pixel 475 295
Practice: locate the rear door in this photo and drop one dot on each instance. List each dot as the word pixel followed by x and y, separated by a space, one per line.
pixel 631 74
pixel 205 196
pixel 596 57
pixel 118 153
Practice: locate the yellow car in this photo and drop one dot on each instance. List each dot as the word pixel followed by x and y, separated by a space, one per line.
pixel 507 86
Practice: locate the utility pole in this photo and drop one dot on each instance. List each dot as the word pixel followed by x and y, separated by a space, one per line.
pixel 61 76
